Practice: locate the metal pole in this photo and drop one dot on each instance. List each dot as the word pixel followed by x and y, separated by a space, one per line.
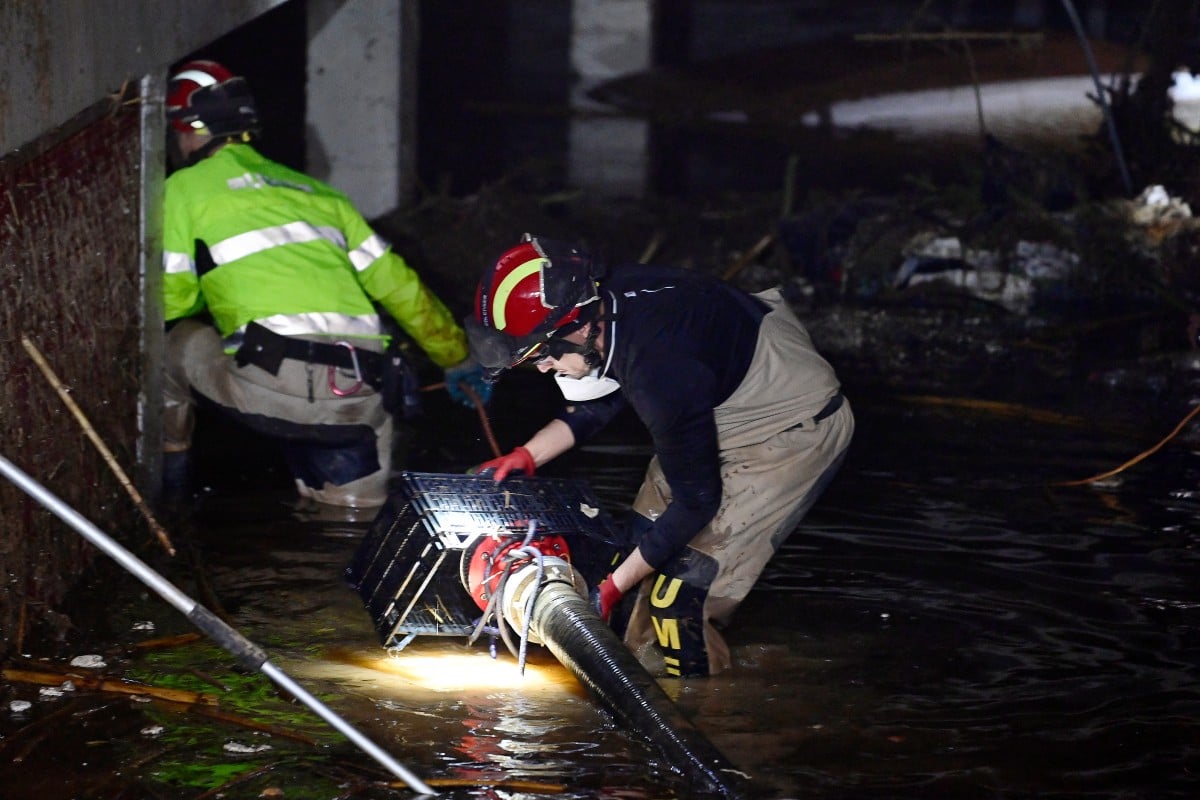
pixel 1109 122
pixel 246 652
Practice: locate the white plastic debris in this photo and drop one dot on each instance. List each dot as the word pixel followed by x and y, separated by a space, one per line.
pixel 1155 206
pixel 926 246
pixel 90 661
pixel 50 692
pixel 1044 261
pixel 243 749
pixel 929 253
pixel 19 706
pixel 152 730
pixel 1185 99
pixel 145 625
pixel 1014 292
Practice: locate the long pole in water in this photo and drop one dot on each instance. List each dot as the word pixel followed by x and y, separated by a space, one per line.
pixel 245 651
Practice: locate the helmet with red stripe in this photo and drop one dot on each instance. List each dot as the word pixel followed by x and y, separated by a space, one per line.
pixel 539 289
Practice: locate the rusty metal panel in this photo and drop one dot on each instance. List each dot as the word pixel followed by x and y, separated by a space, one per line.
pixel 70 240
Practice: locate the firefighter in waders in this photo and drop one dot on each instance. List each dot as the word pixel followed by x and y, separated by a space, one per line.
pixel 289 273
pixel 748 424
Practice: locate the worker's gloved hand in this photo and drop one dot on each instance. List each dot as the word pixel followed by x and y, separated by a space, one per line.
pixel 604 597
pixel 471 374
pixel 519 460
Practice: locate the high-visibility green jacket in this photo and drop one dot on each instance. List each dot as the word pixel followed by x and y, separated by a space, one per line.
pixel 252 240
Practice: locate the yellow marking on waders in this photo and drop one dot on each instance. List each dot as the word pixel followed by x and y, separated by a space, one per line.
pixel 663 596
pixel 660 600
pixel 667 631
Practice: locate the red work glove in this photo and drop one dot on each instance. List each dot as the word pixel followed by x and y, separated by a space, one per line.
pixel 519 460
pixel 605 596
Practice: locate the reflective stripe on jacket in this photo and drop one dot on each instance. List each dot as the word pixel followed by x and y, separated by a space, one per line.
pixel 291 253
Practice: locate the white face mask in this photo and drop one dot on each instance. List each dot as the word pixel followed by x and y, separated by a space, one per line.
pixel 589 387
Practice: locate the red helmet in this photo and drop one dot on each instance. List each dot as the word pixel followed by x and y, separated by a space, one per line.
pixel 539 289
pixel 205 96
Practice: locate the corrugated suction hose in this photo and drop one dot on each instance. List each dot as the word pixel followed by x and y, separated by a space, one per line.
pixel 566 624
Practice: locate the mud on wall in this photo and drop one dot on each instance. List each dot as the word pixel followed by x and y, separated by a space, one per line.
pixel 69 266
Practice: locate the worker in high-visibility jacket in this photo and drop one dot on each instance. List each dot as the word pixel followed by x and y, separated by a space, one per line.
pixel 270 288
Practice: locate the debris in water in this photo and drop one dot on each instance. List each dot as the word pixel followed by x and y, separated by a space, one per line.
pixel 238 747
pixel 19 706
pixel 88 662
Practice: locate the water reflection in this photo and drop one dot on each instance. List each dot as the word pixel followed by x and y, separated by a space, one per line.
pixel 948 625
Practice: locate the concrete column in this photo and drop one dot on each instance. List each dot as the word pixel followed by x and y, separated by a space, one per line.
pixel 360 89
pixel 607 155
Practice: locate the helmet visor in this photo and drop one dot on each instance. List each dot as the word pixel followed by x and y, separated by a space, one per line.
pixel 496 351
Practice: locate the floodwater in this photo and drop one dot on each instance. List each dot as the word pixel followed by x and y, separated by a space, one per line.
pixel 947 623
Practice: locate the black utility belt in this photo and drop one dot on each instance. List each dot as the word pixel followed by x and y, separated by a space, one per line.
pixel 266 349
pixel 830 408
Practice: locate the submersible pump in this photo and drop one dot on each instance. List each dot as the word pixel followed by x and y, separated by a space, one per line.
pixel 445 548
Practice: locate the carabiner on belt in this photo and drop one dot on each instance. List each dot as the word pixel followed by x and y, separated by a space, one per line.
pixel 358 379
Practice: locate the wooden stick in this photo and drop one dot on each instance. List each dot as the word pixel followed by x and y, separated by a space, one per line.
pixel 999 408
pixel 652 248
pixel 167 641
pixel 748 256
pixel 36 355
pixel 110 685
pixel 212 712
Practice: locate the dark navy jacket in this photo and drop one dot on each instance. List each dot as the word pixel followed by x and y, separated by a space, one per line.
pixel 679 343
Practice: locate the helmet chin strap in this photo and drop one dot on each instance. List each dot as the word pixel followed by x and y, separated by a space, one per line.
pixel 591 355
pixel 587 349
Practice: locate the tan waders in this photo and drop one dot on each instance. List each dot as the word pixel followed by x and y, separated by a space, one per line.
pixel 783 434
pixel 300 406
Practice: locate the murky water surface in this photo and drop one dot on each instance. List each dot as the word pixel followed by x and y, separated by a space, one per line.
pixel 947 623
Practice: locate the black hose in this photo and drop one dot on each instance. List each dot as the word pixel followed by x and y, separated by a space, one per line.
pixel 589 648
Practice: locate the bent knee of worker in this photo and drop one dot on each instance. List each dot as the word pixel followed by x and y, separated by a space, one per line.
pixel 352 475
pixel 336 464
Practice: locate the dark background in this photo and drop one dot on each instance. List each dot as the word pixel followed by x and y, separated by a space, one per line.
pixel 495 76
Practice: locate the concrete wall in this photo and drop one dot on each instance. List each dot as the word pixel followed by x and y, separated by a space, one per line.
pixel 609 38
pixel 81 169
pixel 61 56
pixel 356 137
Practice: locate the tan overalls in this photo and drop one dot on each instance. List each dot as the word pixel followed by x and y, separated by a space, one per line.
pixel 775 462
